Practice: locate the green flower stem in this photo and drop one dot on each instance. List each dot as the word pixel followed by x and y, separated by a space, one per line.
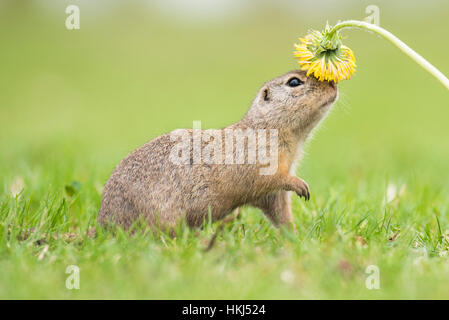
pixel 398 43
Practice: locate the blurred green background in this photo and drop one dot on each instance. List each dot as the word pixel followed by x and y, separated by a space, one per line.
pixel 73 103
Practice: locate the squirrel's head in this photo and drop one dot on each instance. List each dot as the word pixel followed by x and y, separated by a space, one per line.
pixel 293 100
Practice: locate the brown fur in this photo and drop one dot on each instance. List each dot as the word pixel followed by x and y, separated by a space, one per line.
pixel 146 184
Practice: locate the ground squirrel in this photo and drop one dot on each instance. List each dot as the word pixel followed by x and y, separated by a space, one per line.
pixel 175 177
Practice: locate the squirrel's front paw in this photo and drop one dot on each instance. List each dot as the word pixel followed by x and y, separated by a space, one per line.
pixel 299 186
pixel 302 189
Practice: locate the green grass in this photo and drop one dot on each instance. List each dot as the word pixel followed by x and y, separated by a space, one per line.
pixel 73 104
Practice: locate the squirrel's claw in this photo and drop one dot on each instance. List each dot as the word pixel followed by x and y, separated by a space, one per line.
pixel 305 192
pixel 302 189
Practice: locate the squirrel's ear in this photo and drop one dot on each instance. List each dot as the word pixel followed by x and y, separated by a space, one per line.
pixel 264 94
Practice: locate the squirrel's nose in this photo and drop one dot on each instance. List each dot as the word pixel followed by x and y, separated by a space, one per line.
pixel 333 84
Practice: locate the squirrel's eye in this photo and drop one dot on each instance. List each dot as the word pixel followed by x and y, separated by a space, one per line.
pixel 294 82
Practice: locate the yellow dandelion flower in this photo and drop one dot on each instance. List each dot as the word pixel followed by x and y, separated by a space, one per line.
pixel 323 55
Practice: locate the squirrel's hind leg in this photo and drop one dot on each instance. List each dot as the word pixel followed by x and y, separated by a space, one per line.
pixel 233 216
pixel 276 206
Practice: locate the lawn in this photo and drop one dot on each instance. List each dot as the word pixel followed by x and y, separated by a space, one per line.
pixel 74 103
